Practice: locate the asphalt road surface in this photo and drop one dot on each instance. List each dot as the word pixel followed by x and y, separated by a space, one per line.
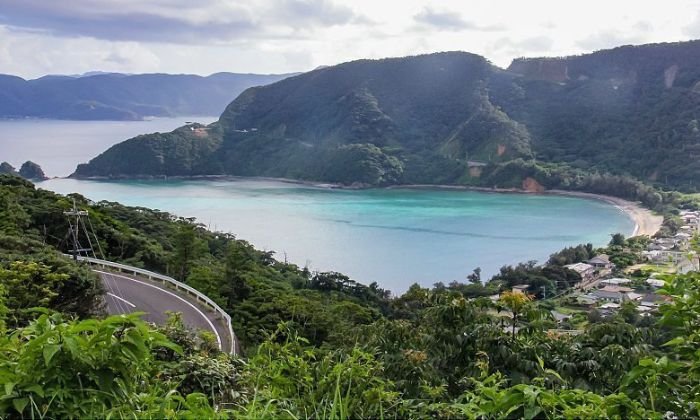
pixel 126 294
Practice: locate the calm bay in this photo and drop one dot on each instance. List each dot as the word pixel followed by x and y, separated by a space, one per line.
pixel 392 236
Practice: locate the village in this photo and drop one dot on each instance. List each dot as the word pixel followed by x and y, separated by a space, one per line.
pixel 605 289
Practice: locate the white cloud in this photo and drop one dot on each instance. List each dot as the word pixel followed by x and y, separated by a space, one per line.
pixel 207 36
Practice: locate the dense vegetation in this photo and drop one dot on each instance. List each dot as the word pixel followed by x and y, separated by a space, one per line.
pixel 114 96
pixel 630 113
pixel 316 344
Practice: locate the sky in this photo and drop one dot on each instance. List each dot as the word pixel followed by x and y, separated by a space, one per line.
pixel 39 37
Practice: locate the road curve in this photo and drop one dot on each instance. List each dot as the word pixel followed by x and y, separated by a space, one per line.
pixel 127 294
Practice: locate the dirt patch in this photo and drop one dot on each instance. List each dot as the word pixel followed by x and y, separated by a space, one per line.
pixel 670 76
pixel 531 185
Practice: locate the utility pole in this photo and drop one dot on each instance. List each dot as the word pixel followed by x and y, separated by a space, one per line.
pixel 74 228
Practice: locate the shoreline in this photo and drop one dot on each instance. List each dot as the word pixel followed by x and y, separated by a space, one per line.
pixel 645 221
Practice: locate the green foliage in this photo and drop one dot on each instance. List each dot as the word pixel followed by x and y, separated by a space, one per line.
pixel 319 344
pixel 32 285
pixel 77 369
pixel 292 380
pixel 599 123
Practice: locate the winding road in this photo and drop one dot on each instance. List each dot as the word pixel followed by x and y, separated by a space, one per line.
pixel 130 293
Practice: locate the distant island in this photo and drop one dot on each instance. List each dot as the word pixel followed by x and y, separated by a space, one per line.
pixel 612 122
pixel 29 170
pixel 116 96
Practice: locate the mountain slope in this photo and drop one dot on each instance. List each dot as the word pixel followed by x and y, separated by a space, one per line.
pixel 383 121
pixel 453 118
pixel 114 96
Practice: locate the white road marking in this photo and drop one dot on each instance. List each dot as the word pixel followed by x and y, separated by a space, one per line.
pixel 218 337
pixel 122 299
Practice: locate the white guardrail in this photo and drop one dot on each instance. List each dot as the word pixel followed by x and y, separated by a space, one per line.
pixel 199 296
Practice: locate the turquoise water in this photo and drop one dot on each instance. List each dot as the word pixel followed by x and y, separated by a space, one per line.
pixel 394 237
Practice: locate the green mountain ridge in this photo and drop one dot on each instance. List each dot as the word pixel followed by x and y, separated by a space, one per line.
pixel 449 118
pixel 116 96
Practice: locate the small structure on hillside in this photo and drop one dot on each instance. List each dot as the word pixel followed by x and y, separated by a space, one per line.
pixel 634 296
pixel 586 271
pixel 653 300
pixel 656 283
pixel 601 261
pixel 615 294
pixel 615 282
pixel 520 288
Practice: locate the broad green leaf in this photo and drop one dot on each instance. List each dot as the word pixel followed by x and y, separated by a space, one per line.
pixel 36 388
pixel 19 404
pixel 49 351
pixel 9 387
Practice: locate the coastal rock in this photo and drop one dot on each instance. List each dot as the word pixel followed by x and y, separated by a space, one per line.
pixel 32 171
pixel 6 168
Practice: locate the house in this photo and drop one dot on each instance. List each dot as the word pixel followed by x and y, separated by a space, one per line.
pixel 520 288
pixel 634 296
pixel 644 309
pixel 601 261
pixel 586 300
pixel 663 244
pixel 656 283
pixel 615 282
pixel 615 294
pixel 683 236
pixel 608 296
pixel 652 300
pixel 586 271
pixel 560 317
pixel 656 256
pixel 686 229
pixel 609 308
pixel 621 289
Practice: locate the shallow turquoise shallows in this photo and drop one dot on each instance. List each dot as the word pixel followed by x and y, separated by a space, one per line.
pixel 394 237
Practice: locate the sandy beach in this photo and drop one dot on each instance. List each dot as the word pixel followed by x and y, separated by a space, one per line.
pixel 646 222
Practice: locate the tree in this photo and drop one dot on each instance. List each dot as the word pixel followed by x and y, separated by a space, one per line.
pixel 31 285
pixel 617 239
pixel 185 247
pixel 515 302
pixel 475 276
pixel 238 262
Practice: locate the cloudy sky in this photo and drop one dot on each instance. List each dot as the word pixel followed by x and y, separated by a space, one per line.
pixel 40 37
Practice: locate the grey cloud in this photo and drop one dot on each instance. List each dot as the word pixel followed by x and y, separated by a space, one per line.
pixel 319 11
pixel 609 39
pixel 451 21
pixel 179 22
pixel 541 43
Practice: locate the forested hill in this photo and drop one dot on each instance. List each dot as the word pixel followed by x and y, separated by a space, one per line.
pixel 451 118
pixel 319 345
pixel 115 96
